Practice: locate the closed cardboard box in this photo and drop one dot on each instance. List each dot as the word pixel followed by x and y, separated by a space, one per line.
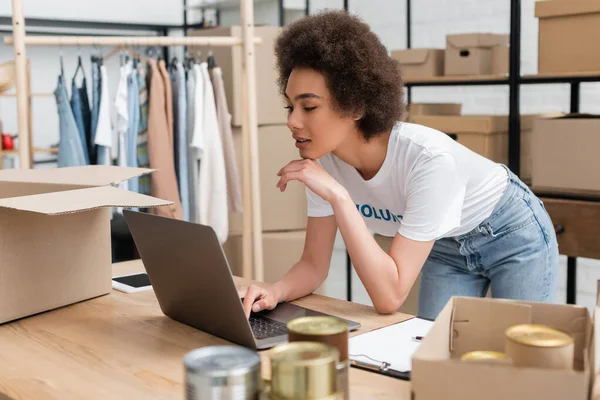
pixel 566 153
pixel 55 239
pixel 270 104
pixel 486 135
pixel 281 251
pixel 470 324
pixel 420 63
pixel 281 211
pixel 500 60
pixel 411 304
pixel 471 54
pixel 568 36
pixel 433 109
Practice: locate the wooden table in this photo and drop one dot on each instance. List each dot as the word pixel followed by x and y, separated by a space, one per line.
pixel 121 346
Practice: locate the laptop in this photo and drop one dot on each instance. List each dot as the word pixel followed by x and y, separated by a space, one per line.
pixel 194 285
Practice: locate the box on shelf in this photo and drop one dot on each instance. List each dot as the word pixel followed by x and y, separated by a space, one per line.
pixel 55 238
pixel 420 63
pixel 568 36
pixel 565 152
pixel 281 211
pixel 269 103
pixel 281 250
pixel 500 60
pixel 486 135
pixel 470 324
pixel 471 53
pixel 434 109
pixel 411 304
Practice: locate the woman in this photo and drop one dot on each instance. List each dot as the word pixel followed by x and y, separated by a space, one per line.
pixel 462 221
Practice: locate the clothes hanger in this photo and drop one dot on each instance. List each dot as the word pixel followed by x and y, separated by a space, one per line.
pixel 211 60
pixel 79 64
pixel 62 66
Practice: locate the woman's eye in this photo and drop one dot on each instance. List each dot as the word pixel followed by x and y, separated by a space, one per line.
pixel 289 108
pixel 308 109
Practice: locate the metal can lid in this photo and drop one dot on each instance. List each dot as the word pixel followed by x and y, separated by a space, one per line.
pixel 321 325
pixel 304 354
pixel 483 355
pixel 221 361
pixel 538 336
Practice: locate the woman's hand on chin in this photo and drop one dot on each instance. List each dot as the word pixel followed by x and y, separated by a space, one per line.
pixel 314 177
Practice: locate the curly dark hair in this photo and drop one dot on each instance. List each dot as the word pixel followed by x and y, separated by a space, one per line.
pixel 359 73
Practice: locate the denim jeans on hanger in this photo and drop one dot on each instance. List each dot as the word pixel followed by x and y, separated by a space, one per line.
pixel 86 114
pixel 96 93
pixel 76 109
pixel 181 139
pixel 133 109
pixel 70 148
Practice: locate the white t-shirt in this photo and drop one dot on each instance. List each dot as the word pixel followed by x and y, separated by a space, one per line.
pixel 428 187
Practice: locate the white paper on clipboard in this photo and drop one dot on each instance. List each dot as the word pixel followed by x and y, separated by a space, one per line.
pixel 394 344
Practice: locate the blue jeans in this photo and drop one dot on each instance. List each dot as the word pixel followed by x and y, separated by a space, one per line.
pixel 77 108
pixel 96 89
pixel 70 149
pixel 514 251
pixel 133 109
pixel 181 139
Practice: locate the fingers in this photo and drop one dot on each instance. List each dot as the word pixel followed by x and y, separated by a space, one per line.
pixel 264 304
pixel 295 165
pixel 285 178
pixel 253 293
pixel 242 291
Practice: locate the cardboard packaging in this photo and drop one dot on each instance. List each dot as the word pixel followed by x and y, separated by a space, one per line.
pixel 486 135
pixel 565 152
pixel 433 109
pixel 469 324
pixel 568 36
pixel 420 63
pixel 280 211
pixel 270 104
pixel 471 54
pixel 500 60
pixel 55 239
pixel 281 251
pixel 411 304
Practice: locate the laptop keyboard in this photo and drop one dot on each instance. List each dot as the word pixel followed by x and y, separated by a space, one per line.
pixel 264 327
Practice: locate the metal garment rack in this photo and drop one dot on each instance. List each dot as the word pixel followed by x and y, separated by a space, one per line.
pixel 514 82
pixel 252 226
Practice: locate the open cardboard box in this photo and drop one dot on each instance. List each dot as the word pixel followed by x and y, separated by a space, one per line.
pixel 468 324
pixel 55 244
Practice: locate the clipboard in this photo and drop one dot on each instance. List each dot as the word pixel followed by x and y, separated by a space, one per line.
pixel 388 351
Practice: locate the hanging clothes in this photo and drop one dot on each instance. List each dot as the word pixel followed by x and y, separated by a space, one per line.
pixel 234 187
pixel 213 185
pixel 70 148
pixel 96 93
pixel 77 109
pixel 196 142
pixel 104 137
pixel 191 151
pixel 168 100
pixel 180 136
pixel 133 109
pixel 122 117
pixel 145 181
pixel 164 181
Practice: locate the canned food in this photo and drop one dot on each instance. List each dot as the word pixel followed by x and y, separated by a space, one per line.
pixel 222 372
pixel 486 357
pixel 304 370
pixel 329 330
pixel 531 345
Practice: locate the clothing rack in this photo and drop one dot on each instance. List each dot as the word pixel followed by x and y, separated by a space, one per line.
pixel 252 260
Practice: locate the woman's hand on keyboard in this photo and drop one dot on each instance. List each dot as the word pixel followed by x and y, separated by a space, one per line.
pixel 257 298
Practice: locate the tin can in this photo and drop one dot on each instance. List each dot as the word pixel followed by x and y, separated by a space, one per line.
pixel 304 370
pixel 486 357
pixel 222 373
pixel 540 346
pixel 328 330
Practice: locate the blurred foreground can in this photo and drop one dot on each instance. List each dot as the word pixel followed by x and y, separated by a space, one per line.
pixel 328 330
pixel 486 357
pixel 304 370
pixel 222 373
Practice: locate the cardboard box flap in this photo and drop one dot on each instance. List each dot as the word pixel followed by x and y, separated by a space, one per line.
pixel 480 323
pixel 91 175
pixel 413 56
pixel 78 200
pixel 556 8
pixel 471 40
